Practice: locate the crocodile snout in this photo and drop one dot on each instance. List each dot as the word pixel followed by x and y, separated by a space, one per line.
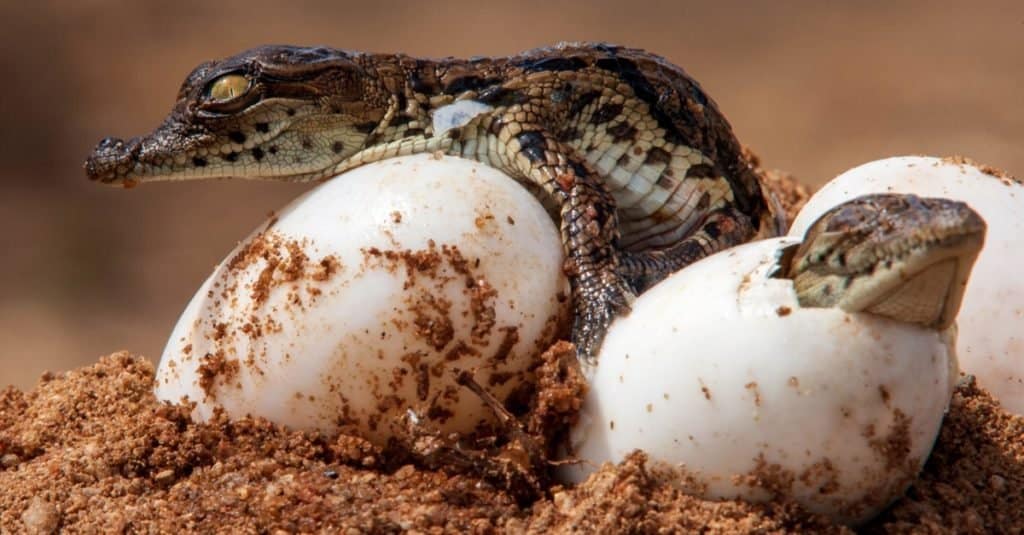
pixel 112 160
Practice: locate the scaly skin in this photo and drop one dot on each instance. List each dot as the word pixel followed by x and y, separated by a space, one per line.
pixel 625 150
pixel 899 256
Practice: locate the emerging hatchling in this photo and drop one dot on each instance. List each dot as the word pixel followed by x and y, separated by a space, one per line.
pixel 899 256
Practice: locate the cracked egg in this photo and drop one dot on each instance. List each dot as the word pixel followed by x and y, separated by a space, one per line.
pixel 990 343
pixel 359 301
pixel 735 390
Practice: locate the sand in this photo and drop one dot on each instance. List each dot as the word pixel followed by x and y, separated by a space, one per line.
pixel 92 450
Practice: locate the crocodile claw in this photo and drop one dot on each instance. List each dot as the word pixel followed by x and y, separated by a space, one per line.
pixel 598 304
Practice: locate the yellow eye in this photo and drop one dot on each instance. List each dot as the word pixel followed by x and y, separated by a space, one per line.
pixel 228 87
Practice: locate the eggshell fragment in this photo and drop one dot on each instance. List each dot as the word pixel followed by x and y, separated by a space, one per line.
pixel 720 372
pixel 360 299
pixel 991 320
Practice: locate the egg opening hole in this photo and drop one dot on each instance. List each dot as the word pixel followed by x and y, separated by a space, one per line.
pixel 783 260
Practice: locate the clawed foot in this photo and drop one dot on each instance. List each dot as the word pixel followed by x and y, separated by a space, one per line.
pixel 599 300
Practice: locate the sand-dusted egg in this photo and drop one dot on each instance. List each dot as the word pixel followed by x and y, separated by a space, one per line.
pixel 719 374
pixel 359 300
pixel 990 342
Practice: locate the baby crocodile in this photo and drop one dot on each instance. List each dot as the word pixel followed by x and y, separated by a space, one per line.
pixel 628 154
pixel 899 256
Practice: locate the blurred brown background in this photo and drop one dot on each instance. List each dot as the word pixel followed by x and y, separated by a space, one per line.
pixel 814 89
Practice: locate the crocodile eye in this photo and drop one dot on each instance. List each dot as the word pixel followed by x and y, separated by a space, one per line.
pixel 228 87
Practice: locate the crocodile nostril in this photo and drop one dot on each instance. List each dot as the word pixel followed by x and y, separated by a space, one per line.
pixel 110 143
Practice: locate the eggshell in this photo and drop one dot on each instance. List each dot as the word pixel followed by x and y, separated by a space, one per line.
pixel 991 320
pixel 360 299
pixel 719 372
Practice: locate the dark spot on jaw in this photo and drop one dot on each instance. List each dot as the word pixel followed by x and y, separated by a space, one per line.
pixel 533 145
pixel 199 162
pixel 307 143
pixel 704 201
pixel 623 132
pixel 230 157
pixel 582 102
pixel 236 137
pixel 657 155
pixel 701 170
pixel 623 160
pixel 337 147
pixel 665 182
pixel 579 169
pixel 262 128
pixel 257 153
pixel 272 149
pixel 414 132
pixel 606 113
pixel 712 230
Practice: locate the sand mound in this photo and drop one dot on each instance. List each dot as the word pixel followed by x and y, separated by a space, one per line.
pixel 92 450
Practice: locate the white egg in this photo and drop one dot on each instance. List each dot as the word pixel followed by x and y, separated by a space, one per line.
pixel 991 321
pixel 719 371
pixel 361 298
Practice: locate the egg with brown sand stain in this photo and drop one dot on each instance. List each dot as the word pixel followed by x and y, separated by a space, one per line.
pixel 359 301
pixel 736 391
pixel 990 342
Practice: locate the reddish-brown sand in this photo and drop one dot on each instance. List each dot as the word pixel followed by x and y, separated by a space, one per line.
pixel 92 450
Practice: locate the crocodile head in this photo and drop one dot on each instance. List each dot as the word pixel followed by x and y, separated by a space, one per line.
pixel 899 256
pixel 274 112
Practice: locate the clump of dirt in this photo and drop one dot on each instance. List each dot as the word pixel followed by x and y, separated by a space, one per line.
pixel 964 161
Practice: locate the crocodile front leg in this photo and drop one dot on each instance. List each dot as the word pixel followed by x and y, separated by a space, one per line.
pixel 588 220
